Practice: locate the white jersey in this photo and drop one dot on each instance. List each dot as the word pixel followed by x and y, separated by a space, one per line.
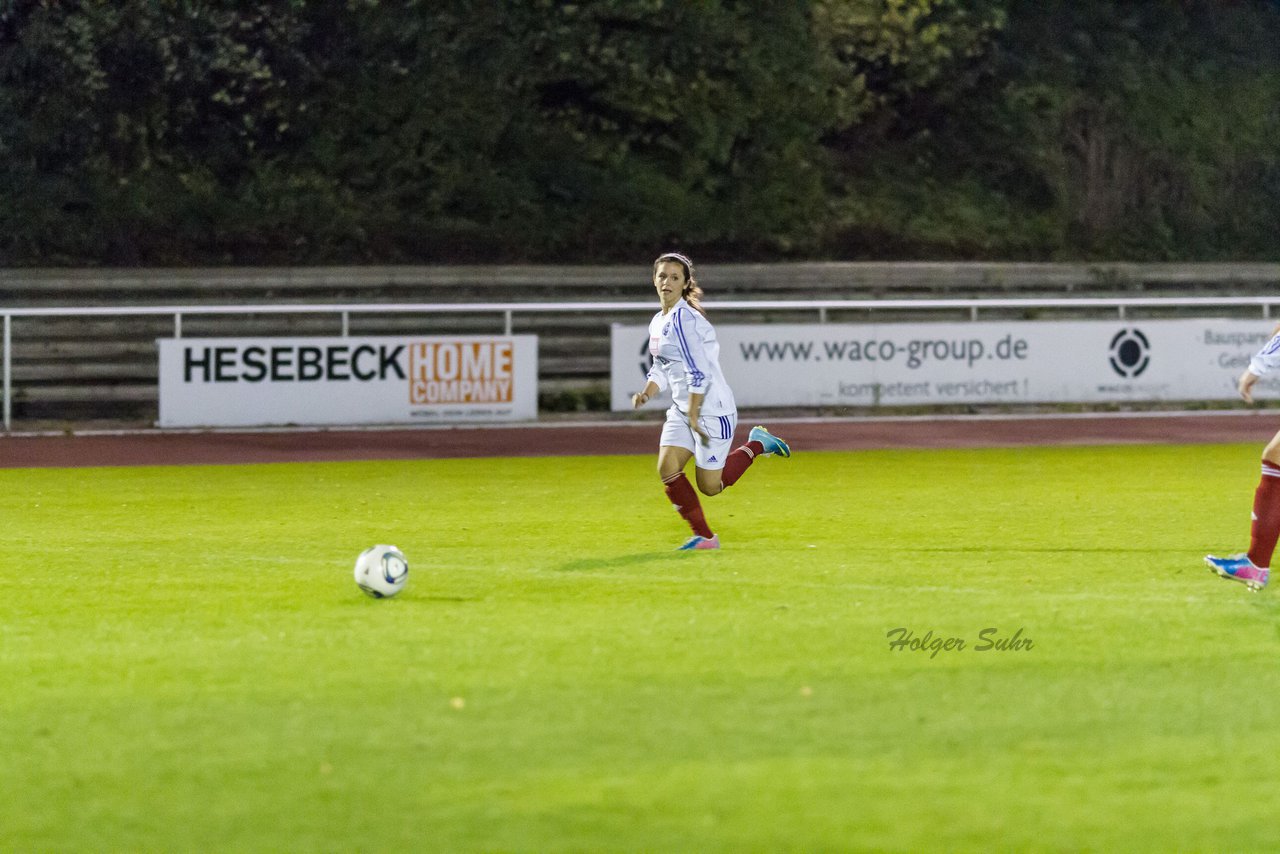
pixel 686 358
pixel 1267 358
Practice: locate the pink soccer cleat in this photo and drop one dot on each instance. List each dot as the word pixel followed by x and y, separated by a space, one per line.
pixel 1239 568
pixel 695 542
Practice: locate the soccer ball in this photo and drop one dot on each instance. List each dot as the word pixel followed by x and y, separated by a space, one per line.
pixel 381 571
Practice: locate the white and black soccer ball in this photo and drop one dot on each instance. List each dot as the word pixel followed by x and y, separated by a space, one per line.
pixel 382 571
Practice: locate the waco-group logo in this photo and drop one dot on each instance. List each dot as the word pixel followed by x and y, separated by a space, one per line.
pixel 1130 353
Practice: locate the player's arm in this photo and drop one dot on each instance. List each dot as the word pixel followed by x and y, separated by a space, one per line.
pixel 695 409
pixel 689 338
pixel 694 353
pixel 1262 362
pixel 655 383
pixel 1244 385
pixel 643 396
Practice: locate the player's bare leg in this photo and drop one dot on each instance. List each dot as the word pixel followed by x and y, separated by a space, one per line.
pixel 672 460
pixel 710 481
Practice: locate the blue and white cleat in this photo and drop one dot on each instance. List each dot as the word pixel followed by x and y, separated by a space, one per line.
pixel 772 444
pixel 1239 568
pixel 696 542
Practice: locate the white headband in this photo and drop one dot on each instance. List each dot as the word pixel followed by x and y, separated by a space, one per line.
pixel 676 256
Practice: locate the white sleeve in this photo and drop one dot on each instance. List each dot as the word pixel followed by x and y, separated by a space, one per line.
pixel 696 363
pixel 1266 358
pixel 658 377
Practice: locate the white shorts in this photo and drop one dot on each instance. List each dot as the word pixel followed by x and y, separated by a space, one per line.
pixel 707 455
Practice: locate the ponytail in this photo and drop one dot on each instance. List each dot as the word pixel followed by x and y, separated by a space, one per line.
pixel 693 295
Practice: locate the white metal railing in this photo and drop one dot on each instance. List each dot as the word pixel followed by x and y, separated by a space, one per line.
pixel 509 309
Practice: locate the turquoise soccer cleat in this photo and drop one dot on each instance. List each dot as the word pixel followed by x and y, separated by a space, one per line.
pixel 1239 568
pixel 772 444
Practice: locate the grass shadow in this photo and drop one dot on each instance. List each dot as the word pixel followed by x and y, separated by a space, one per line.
pixel 616 562
pixel 1063 549
pixel 366 601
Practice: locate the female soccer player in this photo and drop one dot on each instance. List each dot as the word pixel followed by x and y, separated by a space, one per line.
pixel 703 415
pixel 1253 568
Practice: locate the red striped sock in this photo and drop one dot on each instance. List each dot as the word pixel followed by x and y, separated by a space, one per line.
pixel 681 493
pixel 1266 516
pixel 739 461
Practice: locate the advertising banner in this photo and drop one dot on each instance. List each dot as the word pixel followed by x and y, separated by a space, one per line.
pixel 905 364
pixel 243 382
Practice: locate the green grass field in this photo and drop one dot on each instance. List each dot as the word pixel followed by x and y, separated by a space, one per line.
pixel 186 663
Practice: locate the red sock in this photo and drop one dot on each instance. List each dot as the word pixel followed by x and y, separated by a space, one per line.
pixel 681 493
pixel 1266 516
pixel 739 461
